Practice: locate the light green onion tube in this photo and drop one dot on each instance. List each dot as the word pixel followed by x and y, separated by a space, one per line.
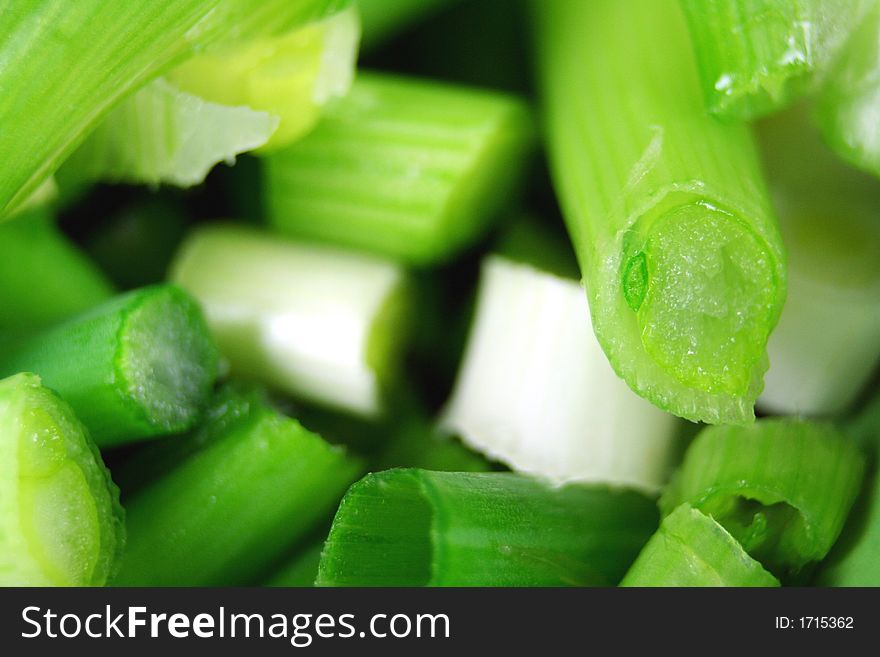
pixel 238 492
pixel 756 56
pixel 290 76
pixel 846 108
pixel 316 322
pixel 420 528
pixel 139 365
pixel 691 549
pixel 827 343
pixel 782 487
pixel 60 519
pixel 536 392
pixel 161 134
pixel 411 169
pixel 91 54
pixel 43 277
pixel 669 215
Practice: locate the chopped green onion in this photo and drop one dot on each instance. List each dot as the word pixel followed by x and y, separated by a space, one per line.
pixel 290 76
pixel 60 519
pixel 43 277
pixel 161 134
pixel 669 215
pixel 756 56
pixel 691 549
pixel 846 110
pixel 853 560
pixel 139 365
pixel 382 19
pixel 781 487
pixel 411 169
pixel 536 392
pixel 828 216
pixel 91 54
pixel 317 323
pixel 239 492
pixel 421 528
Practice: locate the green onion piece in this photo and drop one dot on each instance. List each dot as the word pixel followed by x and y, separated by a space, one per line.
pixel 315 322
pixel 420 528
pixel 290 76
pixel 300 570
pixel 243 488
pixel 161 134
pixel 669 215
pixel 91 54
pixel 756 56
pixel 781 487
pixel 536 392
pixel 43 277
pixel 828 216
pixel 853 560
pixel 382 19
pixel 60 519
pixel 139 365
pixel 846 108
pixel 691 549
pixel 135 245
pixel 411 169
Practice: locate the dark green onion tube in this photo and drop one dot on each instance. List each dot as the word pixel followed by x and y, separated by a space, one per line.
pixel 782 487
pixel 691 549
pixel 666 206
pixel 846 108
pixel 235 496
pixel 854 559
pixel 407 168
pixel 60 519
pixel 43 277
pixel 139 365
pixel 755 56
pixel 420 528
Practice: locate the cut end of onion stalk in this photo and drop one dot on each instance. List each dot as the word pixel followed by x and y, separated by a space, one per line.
pixel 319 323
pixel 704 290
pixel 290 76
pixel 691 549
pixel 62 522
pixel 536 392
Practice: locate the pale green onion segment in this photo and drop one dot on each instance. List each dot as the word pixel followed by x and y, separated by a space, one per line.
pixel 318 323
pixel 782 487
pixel 670 218
pixel 848 107
pixel 290 76
pixel 60 519
pixel 536 392
pixel 691 549
pixel 64 66
pixel 827 343
pixel 756 56
pixel 404 167
pixel 163 135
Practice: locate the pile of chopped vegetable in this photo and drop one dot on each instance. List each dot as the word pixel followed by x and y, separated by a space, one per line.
pixel 439 292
